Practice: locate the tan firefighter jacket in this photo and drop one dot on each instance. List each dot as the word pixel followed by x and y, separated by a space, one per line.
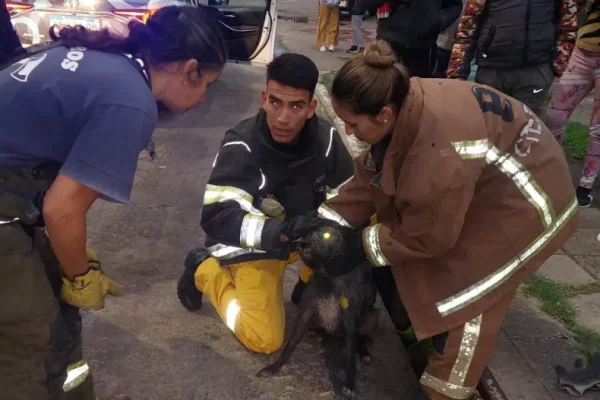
pixel 473 195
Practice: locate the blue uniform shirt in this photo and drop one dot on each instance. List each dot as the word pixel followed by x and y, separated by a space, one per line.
pixel 90 110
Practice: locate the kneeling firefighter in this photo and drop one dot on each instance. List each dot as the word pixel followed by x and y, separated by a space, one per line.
pixel 271 170
pixel 73 120
pixel 472 194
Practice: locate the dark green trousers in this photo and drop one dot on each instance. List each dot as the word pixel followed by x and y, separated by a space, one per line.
pixel 40 335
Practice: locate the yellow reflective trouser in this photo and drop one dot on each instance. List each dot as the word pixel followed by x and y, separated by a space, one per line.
pixel 249 298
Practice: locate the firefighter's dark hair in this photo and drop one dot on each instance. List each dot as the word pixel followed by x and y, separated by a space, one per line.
pixel 371 81
pixel 294 70
pixel 169 35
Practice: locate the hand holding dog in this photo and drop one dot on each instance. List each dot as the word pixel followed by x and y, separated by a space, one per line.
pixel 300 226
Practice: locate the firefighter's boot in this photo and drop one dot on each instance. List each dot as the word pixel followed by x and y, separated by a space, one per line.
pixel 189 296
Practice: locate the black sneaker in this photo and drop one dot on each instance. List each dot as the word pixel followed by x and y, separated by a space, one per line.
pixel 355 50
pixel 584 197
pixel 189 296
pixel 298 290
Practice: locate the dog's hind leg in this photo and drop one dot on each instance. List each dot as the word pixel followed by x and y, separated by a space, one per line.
pixel 369 325
pixel 302 325
pixel 364 351
pixel 352 338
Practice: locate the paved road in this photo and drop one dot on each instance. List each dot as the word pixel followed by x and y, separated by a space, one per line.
pixel 145 344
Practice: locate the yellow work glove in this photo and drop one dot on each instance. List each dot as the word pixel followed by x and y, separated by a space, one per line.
pixel 272 208
pixel 88 290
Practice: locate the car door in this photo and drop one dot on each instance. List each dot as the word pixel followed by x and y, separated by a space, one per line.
pixel 248 27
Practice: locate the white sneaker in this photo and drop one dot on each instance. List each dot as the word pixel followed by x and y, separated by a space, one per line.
pixel 331 48
pixel 322 49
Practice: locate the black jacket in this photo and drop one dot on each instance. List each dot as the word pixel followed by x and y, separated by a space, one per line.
pixel 415 23
pixel 355 7
pixel 250 167
pixel 517 33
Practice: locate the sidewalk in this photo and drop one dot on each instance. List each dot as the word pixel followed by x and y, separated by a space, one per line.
pixel 300 38
pixel 300 8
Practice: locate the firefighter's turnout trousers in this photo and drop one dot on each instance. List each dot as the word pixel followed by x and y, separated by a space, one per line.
pixel 40 335
pixel 249 298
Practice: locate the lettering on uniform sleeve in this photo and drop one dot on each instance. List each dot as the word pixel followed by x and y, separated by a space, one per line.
pixel 529 134
pixel 71 61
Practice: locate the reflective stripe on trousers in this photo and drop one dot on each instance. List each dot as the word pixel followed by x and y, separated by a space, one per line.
pixel 77 373
pixel 455 373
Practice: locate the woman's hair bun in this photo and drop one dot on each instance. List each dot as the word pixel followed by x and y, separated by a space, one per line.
pixel 140 31
pixel 379 54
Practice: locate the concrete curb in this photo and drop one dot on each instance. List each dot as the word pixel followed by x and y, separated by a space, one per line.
pixel 325 110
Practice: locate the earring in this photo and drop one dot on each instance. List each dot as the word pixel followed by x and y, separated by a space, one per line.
pixel 385 121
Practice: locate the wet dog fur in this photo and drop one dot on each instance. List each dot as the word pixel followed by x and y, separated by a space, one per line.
pixel 323 305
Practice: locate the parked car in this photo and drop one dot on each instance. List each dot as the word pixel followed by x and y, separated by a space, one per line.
pixel 248 25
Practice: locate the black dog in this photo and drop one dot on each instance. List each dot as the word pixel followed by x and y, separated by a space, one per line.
pixel 341 305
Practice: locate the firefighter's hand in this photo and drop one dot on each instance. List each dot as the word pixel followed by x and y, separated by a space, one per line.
pixel 300 226
pixel 89 289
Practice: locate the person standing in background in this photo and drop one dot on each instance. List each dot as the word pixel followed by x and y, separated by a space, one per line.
pixel 358 41
pixel 444 44
pixel 328 25
pixel 522 57
pixel 411 28
pixel 581 76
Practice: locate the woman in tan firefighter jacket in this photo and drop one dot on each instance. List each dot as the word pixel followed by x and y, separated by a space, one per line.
pixel 471 192
pixel 74 119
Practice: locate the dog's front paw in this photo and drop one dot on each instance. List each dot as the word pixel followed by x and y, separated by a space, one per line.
pixel 266 372
pixel 349 393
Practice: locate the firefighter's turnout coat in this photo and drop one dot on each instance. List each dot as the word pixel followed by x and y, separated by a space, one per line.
pixel 250 167
pixel 473 194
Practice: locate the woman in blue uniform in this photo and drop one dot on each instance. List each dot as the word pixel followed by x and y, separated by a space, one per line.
pixel 74 120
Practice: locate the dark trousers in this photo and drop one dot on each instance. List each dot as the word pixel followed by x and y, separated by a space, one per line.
pixel 442 61
pixel 40 335
pixel 419 61
pixel 529 85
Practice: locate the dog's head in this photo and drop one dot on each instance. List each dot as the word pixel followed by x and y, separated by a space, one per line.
pixel 323 244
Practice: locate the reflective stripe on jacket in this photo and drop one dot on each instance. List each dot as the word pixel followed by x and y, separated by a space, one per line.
pixel 474 195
